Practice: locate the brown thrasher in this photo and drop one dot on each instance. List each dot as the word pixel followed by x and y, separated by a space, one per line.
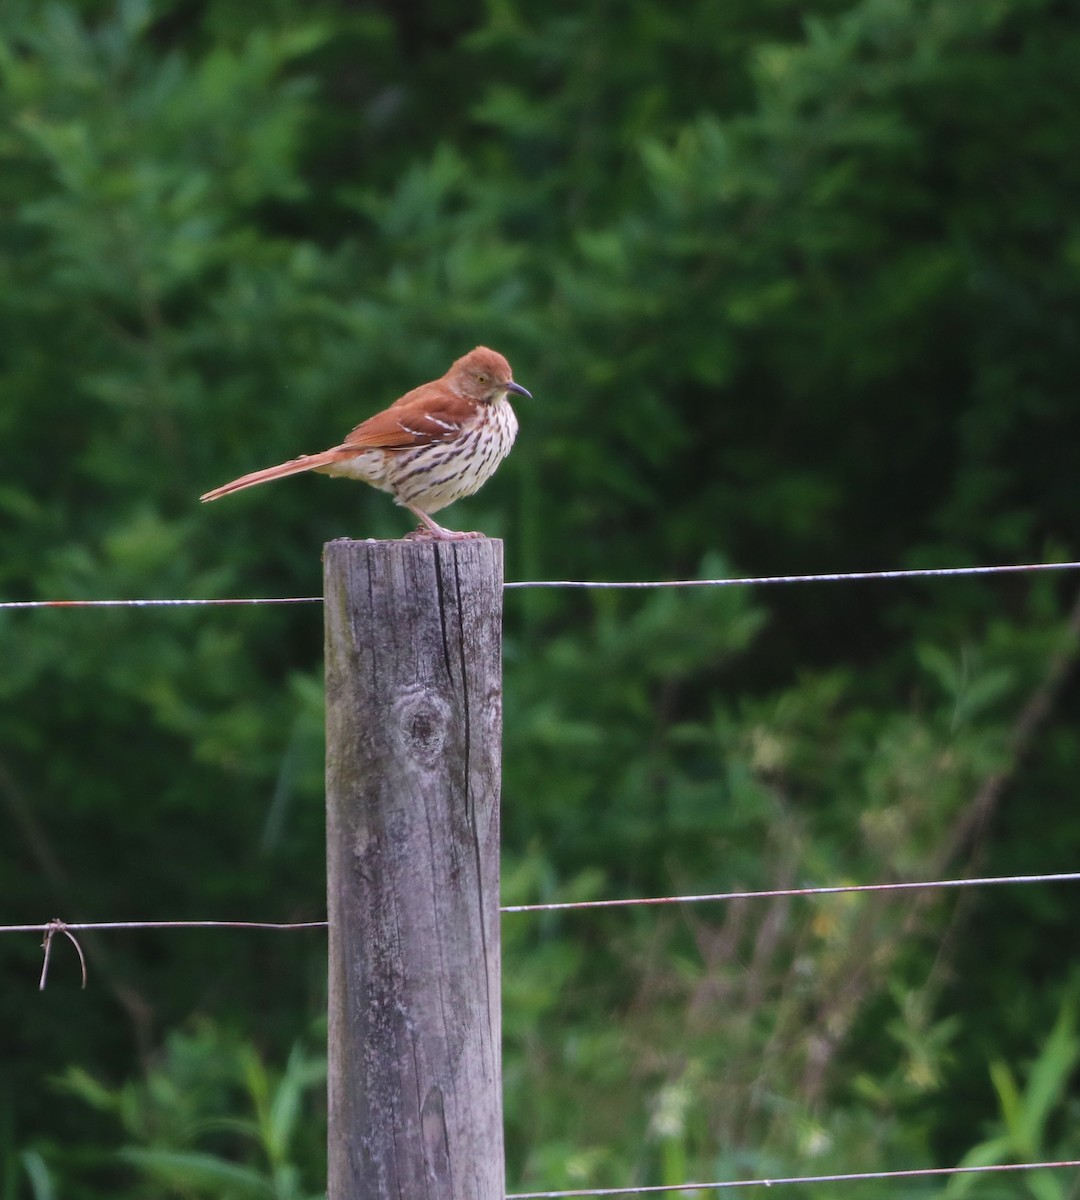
pixel 437 443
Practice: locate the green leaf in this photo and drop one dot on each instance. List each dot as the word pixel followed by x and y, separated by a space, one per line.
pixel 191 1169
pixel 41 1184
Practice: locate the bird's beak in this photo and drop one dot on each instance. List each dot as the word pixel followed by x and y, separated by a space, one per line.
pixel 516 387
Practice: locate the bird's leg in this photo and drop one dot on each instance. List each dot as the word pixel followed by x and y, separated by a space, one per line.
pixel 432 529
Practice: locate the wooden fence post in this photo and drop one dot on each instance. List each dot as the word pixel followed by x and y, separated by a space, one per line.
pixel 413 734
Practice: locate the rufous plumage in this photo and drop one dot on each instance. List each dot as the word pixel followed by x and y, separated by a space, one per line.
pixel 434 445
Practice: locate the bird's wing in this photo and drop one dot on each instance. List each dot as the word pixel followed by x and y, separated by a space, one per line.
pixel 417 419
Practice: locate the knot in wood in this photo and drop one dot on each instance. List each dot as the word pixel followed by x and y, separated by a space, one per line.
pixel 422 724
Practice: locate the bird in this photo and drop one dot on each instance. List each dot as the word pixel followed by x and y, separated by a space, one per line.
pixel 437 443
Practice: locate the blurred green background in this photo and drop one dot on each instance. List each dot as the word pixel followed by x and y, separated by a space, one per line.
pixel 796 287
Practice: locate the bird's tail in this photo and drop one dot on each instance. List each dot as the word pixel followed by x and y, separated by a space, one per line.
pixel 306 462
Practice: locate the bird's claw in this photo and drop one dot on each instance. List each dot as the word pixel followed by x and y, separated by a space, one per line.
pixel 422 534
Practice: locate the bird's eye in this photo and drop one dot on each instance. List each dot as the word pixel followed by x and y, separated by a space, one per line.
pixel 482 378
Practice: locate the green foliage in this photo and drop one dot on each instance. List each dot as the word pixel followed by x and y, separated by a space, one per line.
pixel 186 1137
pixel 796 288
pixel 1031 1125
pixel 38 1175
pixel 613 723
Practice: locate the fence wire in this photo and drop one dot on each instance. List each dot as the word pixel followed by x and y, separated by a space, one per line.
pixel 854 1177
pixel 69 928
pixel 637 584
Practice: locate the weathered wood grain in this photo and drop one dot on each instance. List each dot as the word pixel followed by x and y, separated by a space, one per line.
pixel 413 732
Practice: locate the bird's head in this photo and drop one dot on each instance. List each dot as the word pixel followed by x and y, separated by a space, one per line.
pixel 483 375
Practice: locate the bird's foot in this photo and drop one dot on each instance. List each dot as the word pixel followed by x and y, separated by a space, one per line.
pixel 424 534
pixel 433 531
